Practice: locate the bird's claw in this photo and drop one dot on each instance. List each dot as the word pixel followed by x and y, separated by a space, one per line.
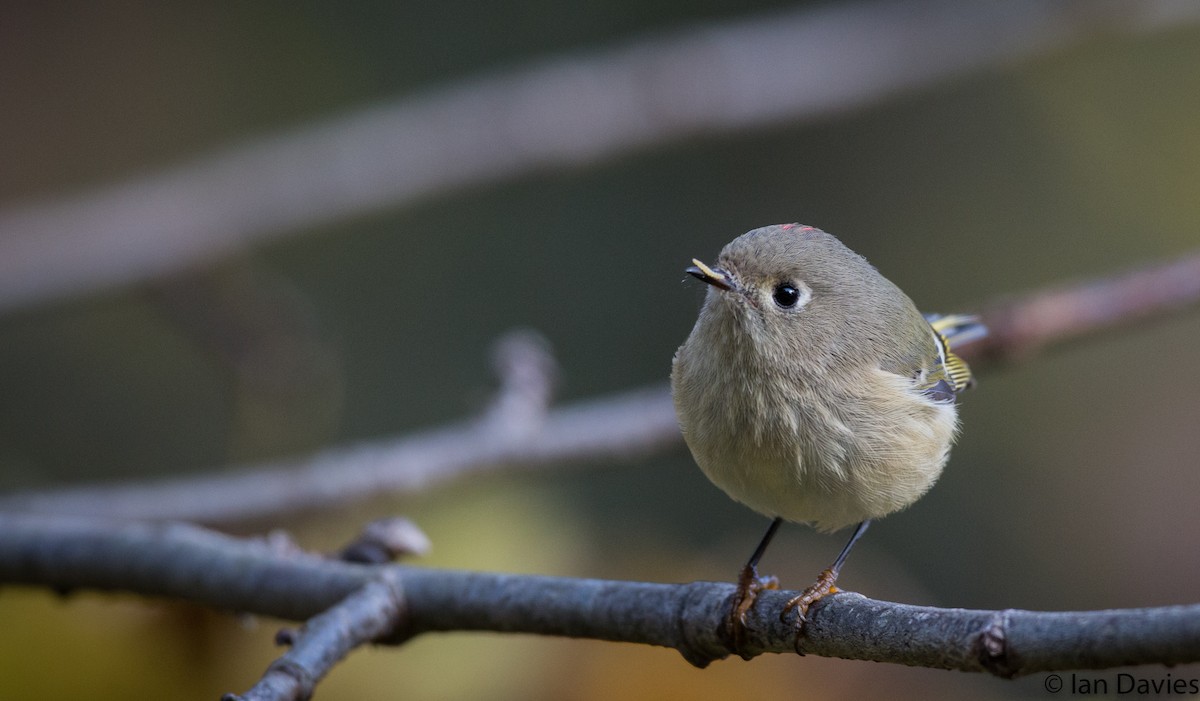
pixel 814 593
pixel 748 587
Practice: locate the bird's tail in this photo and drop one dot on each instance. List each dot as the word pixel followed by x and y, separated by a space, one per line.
pixel 958 329
pixel 955 330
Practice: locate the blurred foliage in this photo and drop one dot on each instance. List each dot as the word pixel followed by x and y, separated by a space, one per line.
pixel 1073 485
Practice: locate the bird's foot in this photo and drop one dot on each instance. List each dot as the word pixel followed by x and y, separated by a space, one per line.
pixel 748 586
pixel 814 593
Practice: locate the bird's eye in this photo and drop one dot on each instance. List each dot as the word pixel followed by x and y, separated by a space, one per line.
pixel 786 295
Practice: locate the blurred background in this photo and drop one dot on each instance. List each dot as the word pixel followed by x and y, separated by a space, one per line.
pixel 1074 485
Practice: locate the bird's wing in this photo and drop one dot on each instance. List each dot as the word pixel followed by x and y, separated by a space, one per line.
pixel 949 374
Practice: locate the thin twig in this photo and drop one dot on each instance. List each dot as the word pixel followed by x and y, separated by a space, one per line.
pixel 189 563
pixel 567 111
pixel 528 435
pixel 366 615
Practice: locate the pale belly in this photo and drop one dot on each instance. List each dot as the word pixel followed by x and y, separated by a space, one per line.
pixel 830 469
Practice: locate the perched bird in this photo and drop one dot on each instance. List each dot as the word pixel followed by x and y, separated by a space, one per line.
pixel 812 390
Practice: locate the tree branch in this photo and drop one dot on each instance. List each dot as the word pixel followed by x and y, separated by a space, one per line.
pixel 364 616
pixel 526 434
pixel 567 111
pixel 188 563
pixel 1055 316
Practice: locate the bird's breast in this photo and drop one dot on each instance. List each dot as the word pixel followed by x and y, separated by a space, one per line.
pixel 832 454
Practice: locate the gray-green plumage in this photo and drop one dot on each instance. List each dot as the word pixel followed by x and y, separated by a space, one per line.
pixel 832 410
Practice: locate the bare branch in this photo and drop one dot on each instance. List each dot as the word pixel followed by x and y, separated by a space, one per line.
pixel 368 614
pixel 567 111
pixel 519 432
pixel 618 426
pixel 1017 328
pixel 188 563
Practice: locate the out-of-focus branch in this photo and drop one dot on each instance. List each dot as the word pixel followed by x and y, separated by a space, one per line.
pixel 188 563
pixel 618 426
pixel 567 111
pixel 523 435
pixel 384 540
pixel 527 434
pixel 1019 327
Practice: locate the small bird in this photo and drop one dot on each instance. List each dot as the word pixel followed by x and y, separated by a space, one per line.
pixel 812 390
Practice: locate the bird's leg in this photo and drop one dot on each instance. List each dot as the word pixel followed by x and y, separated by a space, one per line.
pixel 748 586
pixel 825 581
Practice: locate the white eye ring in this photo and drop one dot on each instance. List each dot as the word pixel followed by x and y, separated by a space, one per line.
pixel 791 295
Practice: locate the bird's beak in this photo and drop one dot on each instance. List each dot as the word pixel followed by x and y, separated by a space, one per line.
pixel 713 276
